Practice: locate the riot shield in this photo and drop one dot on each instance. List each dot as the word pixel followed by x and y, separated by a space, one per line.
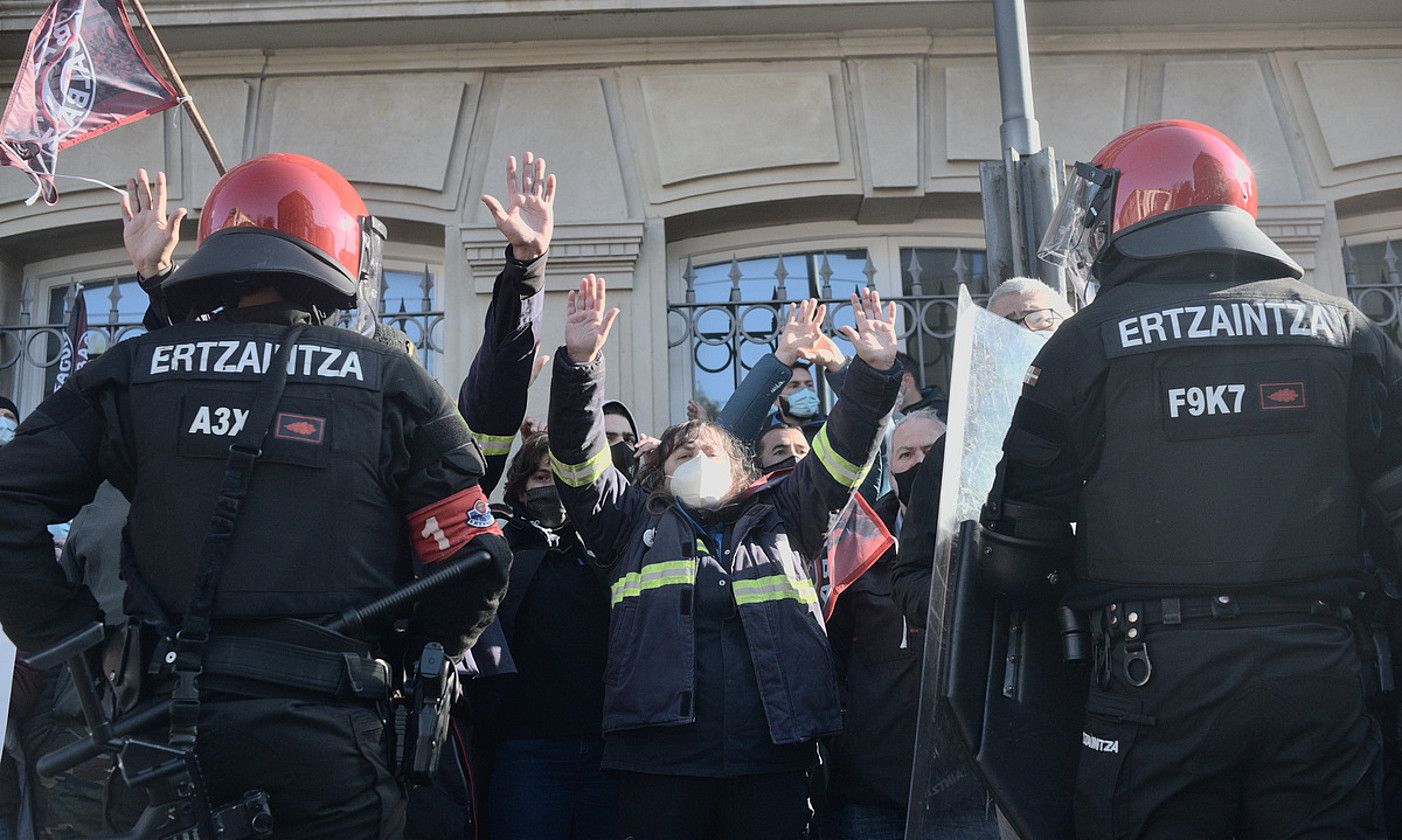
pixel 7 673
pixel 996 694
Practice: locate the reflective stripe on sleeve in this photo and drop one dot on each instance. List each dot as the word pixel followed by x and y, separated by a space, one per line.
pixel 581 475
pixel 654 576
pixel 774 588
pixel 493 444
pixel 842 470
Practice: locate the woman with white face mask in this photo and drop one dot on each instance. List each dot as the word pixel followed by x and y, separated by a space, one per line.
pixel 719 676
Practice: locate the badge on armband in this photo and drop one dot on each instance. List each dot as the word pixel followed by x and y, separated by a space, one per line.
pixel 444 527
pixel 481 515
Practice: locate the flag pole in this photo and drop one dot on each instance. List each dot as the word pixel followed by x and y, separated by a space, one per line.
pixel 185 98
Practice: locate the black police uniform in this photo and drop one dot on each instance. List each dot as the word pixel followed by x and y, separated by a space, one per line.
pixel 367 457
pixel 1211 427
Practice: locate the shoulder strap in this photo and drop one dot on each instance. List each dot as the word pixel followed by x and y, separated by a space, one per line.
pixel 238 474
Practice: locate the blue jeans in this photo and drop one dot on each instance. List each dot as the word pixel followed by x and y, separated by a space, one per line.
pixel 872 822
pixel 7 827
pixel 552 789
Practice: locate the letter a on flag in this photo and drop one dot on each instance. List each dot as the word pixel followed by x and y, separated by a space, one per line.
pixel 82 74
pixel 857 540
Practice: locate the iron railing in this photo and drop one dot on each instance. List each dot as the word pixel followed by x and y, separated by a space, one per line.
pixel 1373 274
pixel 37 345
pixel 926 313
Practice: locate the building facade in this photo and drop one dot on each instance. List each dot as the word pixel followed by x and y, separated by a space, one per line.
pixel 715 158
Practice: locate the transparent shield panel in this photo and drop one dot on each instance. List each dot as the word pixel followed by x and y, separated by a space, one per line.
pixel 990 358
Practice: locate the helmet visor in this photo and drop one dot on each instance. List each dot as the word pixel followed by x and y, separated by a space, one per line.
pixel 372 241
pixel 1080 227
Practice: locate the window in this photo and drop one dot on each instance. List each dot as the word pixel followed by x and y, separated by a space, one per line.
pixel 731 310
pixel 930 280
pixel 114 311
pixel 1373 272
pixel 756 292
pixel 411 300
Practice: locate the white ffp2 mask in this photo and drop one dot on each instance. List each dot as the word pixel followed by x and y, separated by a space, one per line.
pixel 702 482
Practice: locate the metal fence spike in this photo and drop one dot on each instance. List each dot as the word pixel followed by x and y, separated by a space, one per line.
pixel 915 269
pixel 689 277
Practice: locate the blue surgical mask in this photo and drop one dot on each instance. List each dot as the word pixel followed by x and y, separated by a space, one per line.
pixel 803 403
pixel 7 430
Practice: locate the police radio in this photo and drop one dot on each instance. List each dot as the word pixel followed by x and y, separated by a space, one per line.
pixel 424 715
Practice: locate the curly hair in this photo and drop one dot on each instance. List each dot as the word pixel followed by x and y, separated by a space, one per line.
pixel 653 477
pixel 523 466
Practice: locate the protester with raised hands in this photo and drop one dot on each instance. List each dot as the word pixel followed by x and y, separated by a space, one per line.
pixel 493 395
pixel 719 676
pixel 779 389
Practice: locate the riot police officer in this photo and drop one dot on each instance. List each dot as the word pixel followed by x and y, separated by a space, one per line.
pixel 1211 425
pixel 362 474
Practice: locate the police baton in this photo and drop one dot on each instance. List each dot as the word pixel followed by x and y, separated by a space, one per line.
pixel 106 736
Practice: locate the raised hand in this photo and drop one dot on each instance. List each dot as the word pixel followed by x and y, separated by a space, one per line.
pixel 796 338
pixel 588 323
pixel 528 220
pixel 803 337
pixel 875 335
pixel 645 448
pixel 149 234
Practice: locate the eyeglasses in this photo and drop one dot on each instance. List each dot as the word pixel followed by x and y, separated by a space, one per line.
pixel 1038 320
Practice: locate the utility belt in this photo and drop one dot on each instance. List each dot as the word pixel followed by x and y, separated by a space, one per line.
pixel 275 658
pixel 1123 625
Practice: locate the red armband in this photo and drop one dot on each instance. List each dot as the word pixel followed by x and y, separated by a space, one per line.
pixel 442 529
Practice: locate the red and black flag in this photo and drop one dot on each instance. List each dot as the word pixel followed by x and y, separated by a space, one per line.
pixel 857 540
pixel 74 352
pixel 82 74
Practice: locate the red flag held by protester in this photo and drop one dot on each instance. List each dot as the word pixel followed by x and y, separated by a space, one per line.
pixel 857 540
pixel 74 352
pixel 82 74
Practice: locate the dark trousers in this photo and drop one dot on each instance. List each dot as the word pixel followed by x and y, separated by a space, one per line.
pixel 772 806
pixel 1246 732
pixel 552 789
pixel 323 767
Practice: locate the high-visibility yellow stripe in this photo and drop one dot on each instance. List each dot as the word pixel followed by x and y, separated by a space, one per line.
pixel 842 470
pixel 493 444
pixel 774 588
pixel 654 576
pixel 580 475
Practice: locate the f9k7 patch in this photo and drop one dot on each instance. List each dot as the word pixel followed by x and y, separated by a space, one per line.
pixel 1198 402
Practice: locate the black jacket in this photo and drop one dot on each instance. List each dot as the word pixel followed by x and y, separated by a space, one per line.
pixel 766 561
pixel 915 555
pixel 1210 427
pixel 368 474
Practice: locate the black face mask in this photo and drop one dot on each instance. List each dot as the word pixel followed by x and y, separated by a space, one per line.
pixel 544 504
pixel 623 459
pixel 782 464
pixel 905 482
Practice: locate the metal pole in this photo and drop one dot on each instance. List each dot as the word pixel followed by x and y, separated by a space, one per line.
pixel 1019 129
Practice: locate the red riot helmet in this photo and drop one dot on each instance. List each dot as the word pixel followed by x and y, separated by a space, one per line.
pixel 1165 189
pixel 286 220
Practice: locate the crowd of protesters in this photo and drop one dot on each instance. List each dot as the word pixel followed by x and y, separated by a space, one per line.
pixel 661 666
